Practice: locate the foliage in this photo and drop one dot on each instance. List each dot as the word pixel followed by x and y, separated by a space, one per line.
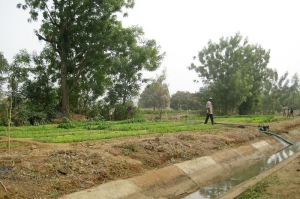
pixel 156 95
pixel 66 125
pixel 17 73
pixel 280 92
pixel 96 109
pixel 259 190
pixel 250 118
pixel 185 101
pixel 253 192
pixel 66 120
pixel 133 120
pixel 3 67
pixel 85 36
pixel 232 72
pixel 128 65
pixel 39 90
pixel 169 111
pixel 26 117
pixel 124 112
pixel 92 130
pixel 3 145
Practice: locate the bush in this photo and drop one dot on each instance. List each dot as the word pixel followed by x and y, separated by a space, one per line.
pixel 124 112
pixel 66 125
pixel 103 125
pixel 96 119
pixel 133 120
pixel 66 120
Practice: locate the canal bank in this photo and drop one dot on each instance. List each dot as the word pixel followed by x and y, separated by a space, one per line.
pixel 237 190
pixel 180 179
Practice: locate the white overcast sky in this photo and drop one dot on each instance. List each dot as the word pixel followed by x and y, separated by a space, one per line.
pixel 183 28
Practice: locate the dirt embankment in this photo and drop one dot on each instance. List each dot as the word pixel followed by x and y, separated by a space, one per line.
pixel 43 170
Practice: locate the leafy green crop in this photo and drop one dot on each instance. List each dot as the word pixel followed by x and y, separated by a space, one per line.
pixel 99 129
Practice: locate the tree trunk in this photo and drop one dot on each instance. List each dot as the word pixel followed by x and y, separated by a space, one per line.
pixel 124 99
pixel 64 89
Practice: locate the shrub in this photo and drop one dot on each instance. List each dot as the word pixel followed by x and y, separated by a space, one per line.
pixel 66 125
pixel 124 112
pixel 133 120
pixel 103 125
pixel 66 120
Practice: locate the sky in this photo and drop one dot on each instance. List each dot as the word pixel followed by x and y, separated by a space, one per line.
pixel 183 28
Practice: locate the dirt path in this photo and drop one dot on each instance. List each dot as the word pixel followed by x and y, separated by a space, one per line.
pixel 46 170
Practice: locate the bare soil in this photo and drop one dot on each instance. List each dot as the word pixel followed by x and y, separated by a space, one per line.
pixel 49 170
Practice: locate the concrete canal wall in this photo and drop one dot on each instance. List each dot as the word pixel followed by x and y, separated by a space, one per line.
pixel 186 177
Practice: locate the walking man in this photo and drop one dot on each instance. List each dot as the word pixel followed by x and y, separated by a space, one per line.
pixel 283 111
pixel 209 111
pixel 291 112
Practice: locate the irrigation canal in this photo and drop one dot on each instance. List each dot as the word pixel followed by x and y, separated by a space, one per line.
pixel 214 190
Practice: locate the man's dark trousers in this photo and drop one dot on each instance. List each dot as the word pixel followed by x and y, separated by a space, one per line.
pixel 211 118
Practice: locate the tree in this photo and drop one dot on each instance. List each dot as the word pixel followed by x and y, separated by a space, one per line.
pixel 156 95
pixel 270 93
pixel 3 67
pixel 184 100
pixel 294 92
pixel 228 69
pixel 84 35
pixel 128 65
pixel 280 92
pixel 255 66
pixel 17 73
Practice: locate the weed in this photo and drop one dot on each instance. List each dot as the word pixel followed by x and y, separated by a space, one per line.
pixel 4 145
pixel 66 125
pixel 55 194
pixel 131 147
pixel 258 190
pixel 254 191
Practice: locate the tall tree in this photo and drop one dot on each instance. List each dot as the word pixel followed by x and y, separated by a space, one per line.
pixel 280 92
pixel 39 90
pixel 228 69
pixel 17 75
pixel 270 93
pixel 294 100
pixel 255 66
pixel 84 35
pixel 129 63
pixel 156 95
pixel 3 67
pixel 183 100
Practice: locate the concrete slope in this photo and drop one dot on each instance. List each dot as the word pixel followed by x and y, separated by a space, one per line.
pixel 179 179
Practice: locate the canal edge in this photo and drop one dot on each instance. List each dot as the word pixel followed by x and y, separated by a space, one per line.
pixel 237 190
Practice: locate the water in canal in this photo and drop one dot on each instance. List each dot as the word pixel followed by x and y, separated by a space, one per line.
pixel 219 188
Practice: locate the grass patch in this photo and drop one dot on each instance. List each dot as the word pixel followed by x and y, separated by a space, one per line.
pixel 259 190
pixel 4 145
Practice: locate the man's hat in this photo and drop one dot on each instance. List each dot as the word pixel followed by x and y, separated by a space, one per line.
pixel 210 98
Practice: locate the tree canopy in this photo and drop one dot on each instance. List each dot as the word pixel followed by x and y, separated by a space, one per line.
pixel 156 94
pixel 184 100
pixel 85 36
pixel 233 72
pixel 128 66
